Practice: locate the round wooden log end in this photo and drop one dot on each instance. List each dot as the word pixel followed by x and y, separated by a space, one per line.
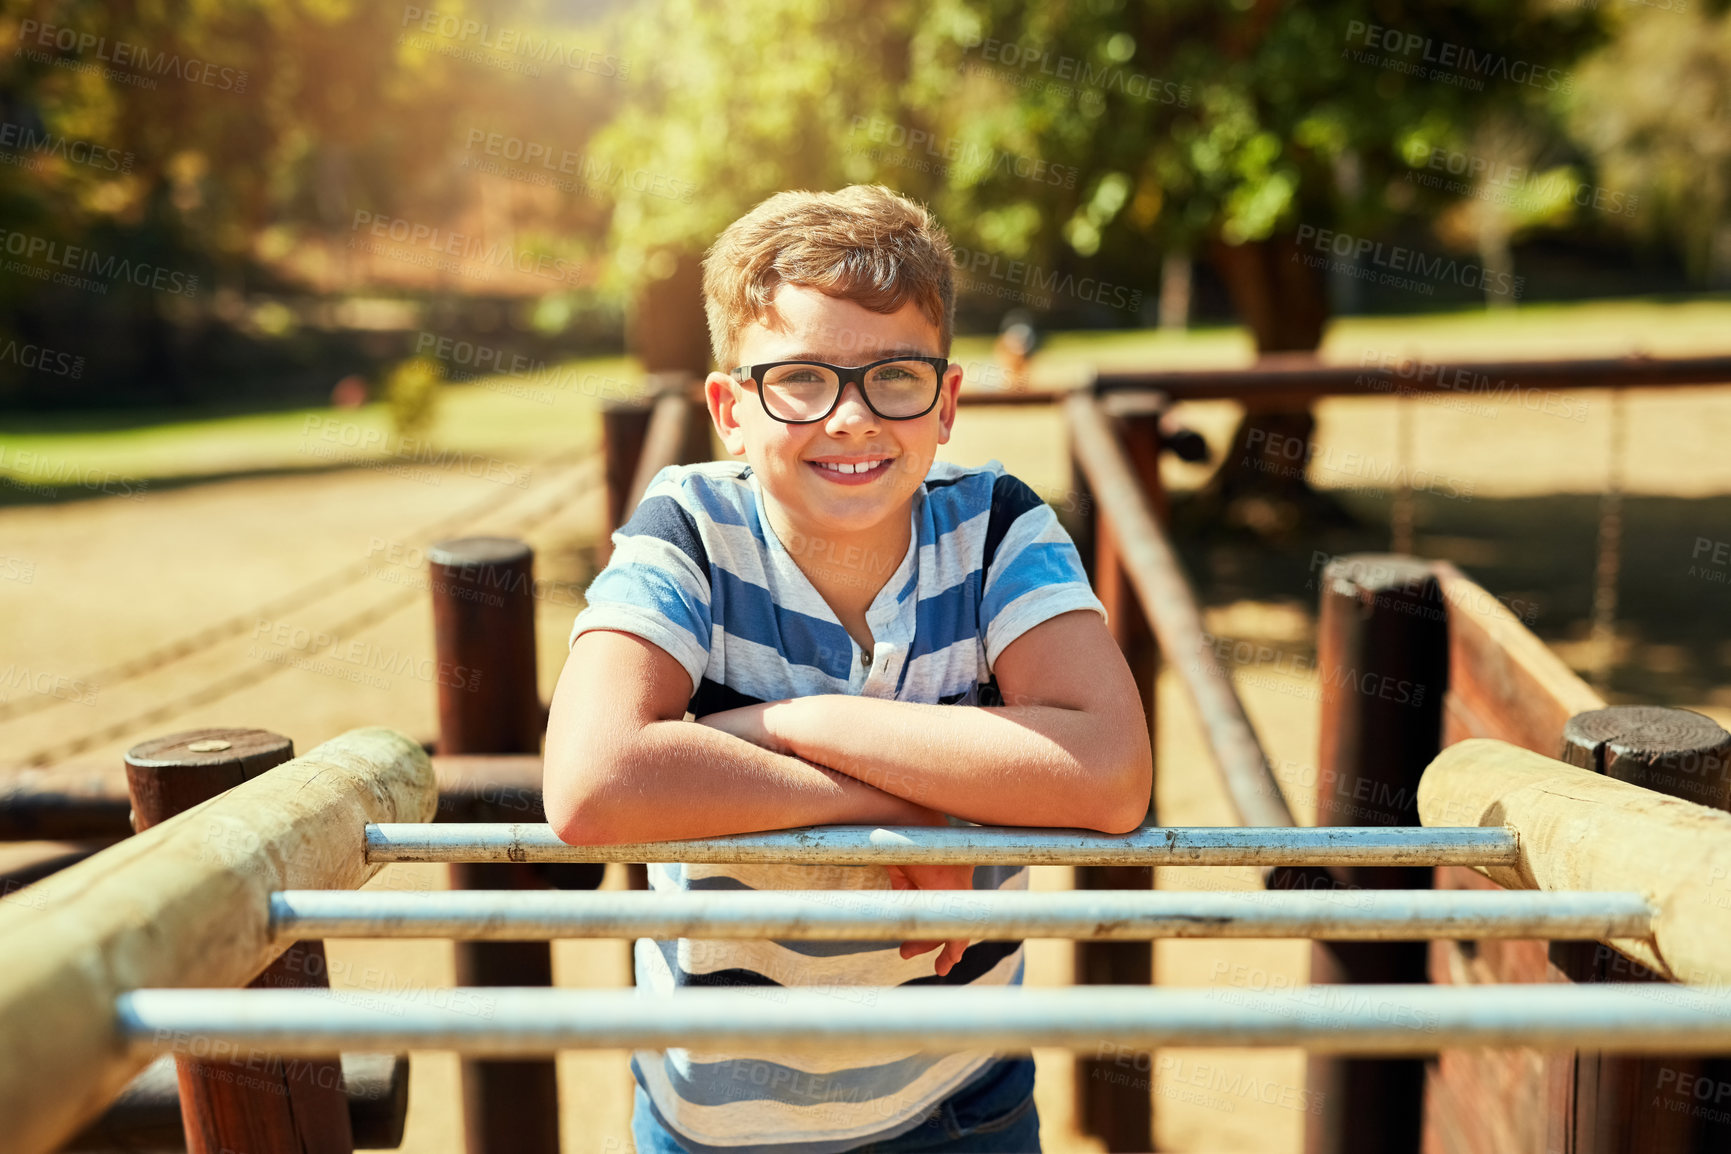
pixel 252 750
pixel 1366 576
pixel 166 775
pixel 1677 752
pixel 480 551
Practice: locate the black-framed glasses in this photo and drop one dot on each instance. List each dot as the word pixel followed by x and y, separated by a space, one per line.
pixel 800 392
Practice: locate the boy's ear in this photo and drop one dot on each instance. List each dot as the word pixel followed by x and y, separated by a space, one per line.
pixel 723 394
pixel 948 401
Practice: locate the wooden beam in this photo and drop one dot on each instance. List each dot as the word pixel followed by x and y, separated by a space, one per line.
pixel 183 904
pixel 1304 378
pixel 1579 830
pixel 262 1105
pixel 87 801
pixel 1503 681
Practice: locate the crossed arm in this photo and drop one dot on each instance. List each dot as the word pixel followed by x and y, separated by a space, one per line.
pixel 1068 748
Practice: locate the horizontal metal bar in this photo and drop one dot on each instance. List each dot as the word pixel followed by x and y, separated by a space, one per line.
pixel 495 1022
pixel 896 915
pixel 975 845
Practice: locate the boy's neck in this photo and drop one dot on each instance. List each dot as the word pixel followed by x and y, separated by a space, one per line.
pixel 847 569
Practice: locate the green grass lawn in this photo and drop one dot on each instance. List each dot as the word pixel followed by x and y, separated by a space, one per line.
pixel 522 420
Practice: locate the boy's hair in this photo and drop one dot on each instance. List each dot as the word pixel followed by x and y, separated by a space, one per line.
pixel 865 243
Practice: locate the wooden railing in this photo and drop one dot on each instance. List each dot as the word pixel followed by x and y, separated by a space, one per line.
pixel 1137 552
pixel 186 903
pixel 1501 682
pixel 125 960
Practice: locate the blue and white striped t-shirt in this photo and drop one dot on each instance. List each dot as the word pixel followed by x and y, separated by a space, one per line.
pixel 698 571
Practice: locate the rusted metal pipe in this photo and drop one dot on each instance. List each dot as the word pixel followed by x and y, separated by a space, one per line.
pixel 1170 605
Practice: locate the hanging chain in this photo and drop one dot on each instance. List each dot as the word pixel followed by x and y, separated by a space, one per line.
pixel 1400 513
pixel 1610 551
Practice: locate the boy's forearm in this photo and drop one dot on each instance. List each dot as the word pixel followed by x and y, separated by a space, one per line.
pixel 1016 765
pixel 679 779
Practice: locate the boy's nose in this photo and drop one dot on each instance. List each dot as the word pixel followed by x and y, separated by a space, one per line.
pixel 855 406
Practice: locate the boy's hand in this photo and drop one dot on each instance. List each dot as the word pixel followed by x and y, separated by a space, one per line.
pixel 933 877
pixel 747 722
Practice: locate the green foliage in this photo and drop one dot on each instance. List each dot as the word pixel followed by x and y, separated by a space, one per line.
pixel 250 128
pixel 1180 121
pixel 412 394
pixel 1655 109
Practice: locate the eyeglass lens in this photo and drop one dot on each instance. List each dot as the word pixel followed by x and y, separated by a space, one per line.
pixel 802 392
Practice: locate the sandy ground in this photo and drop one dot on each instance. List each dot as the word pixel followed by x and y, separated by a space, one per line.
pixel 116 578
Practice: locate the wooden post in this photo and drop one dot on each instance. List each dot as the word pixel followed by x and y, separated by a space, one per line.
pixel 624 427
pixel 185 903
pixel 1117 1111
pixel 625 430
pixel 1083 524
pixel 1676 752
pixel 1504 683
pixel 1625 1104
pixel 146 1115
pixel 1382 665
pixel 624 424
pixel 668 331
pixel 484 639
pixel 258 1106
pixel 695 446
pixel 667 328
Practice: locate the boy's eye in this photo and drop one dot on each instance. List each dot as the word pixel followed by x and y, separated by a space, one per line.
pixel 795 374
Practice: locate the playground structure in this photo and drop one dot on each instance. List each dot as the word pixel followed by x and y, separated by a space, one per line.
pixel 125 961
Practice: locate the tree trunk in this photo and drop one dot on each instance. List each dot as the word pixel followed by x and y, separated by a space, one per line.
pixel 1260 484
pixel 668 330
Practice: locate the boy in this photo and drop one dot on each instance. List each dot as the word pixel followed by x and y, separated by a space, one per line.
pixel 784 642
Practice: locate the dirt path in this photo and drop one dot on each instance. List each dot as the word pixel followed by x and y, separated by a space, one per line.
pixel 115 578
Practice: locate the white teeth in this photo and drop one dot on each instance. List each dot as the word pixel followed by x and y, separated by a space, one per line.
pixel 843 468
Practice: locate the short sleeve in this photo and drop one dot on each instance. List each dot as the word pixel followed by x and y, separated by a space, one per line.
pixel 656 584
pixel 1033 572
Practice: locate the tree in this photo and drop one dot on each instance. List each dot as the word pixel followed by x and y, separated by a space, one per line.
pixel 235 143
pixel 1238 131
pixel 1654 110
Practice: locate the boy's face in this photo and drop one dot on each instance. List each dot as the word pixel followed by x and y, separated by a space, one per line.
pixel 806 324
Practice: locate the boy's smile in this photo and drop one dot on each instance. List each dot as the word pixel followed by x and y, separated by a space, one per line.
pixel 845 481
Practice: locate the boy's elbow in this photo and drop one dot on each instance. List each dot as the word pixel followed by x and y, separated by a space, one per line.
pixel 1128 798
pixel 575 822
pixel 576 806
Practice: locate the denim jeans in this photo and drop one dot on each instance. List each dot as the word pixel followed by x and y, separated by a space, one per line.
pixel 995 1114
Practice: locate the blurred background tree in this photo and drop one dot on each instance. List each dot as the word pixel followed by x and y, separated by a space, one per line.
pixel 412 392
pixel 1186 127
pixel 1654 111
pixel 1140 144
pixel 247 139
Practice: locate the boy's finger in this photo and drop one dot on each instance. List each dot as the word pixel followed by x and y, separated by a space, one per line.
pixel 915 949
